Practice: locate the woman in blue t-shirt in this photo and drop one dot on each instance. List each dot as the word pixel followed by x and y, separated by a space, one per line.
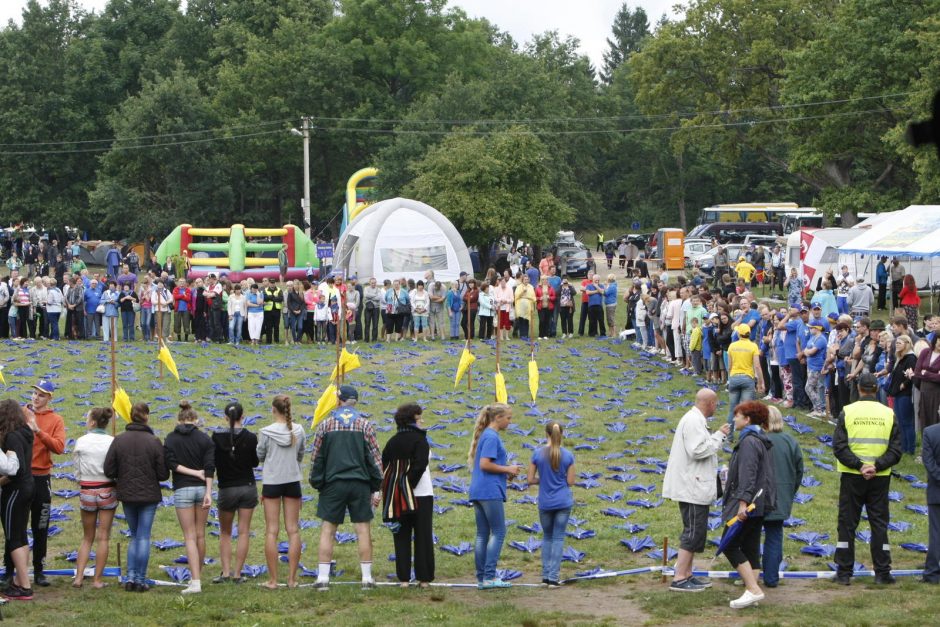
pixel 488 491
pixel 552 468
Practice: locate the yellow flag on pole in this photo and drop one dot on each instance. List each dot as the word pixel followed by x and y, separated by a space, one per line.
pixel 122 404
pixel 349 362
pixel 326 404
pixel 167 360
pixel 533 378
pixel 501 395
pixel 2 380
pixel 466 358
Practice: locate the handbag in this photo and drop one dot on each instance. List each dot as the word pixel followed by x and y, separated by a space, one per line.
pixel 100 308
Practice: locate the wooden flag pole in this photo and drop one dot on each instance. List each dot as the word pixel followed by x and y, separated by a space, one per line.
pixel 340 343
pixel 113 371
pixel 665 557
pixel 469 368
pixel 159 328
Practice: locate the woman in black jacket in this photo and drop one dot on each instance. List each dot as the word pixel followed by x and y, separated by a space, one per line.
pixel 407 496
pixel 136 464
pixel 236 455
pixel 720 341
pixel 16 437
pixel 190 455
pixel 751 480
pixel 900 388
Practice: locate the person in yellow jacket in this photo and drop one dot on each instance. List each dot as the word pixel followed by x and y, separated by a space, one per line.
pixel 866 443
pixel 745 270
pixel 525 306
pixel 600 242
pixel 273 304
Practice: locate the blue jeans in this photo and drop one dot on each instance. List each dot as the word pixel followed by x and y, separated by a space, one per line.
pixel 491 531
pixel 146 315
pixel 740 388
pixel 455 324
pixel 52 320
pixel 128 319
pixel 139 521
pixel 904 410
pixel 800 400
pixel 295 326
pixel 235 328
pixel 553 523
pixel 773 551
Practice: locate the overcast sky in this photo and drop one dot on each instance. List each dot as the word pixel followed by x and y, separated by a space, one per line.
pixel 588 20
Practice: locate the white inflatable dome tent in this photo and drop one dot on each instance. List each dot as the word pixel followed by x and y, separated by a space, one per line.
pixel 398 238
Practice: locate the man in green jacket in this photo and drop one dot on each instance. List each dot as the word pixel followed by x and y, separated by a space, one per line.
pixel 347 471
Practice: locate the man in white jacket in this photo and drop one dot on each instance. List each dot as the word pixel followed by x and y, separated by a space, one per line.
pixel 691 481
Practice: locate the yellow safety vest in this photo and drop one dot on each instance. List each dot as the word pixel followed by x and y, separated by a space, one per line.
pixel 277 301
pixel 600 238
pixel 868 425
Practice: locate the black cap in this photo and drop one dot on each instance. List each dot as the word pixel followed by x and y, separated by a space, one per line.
pixel 868 381
pixel 348 392
pixel 877 325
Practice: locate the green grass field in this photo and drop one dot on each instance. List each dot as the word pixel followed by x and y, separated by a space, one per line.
pixel 620 408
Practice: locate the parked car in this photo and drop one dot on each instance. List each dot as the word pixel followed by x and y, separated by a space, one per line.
pixel 728 232
pixel 696 247
pixel 575 260
pixel 762 240
pixel 637 239
pixel 706 261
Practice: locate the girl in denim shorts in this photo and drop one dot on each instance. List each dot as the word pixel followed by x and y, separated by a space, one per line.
pixel 190 455
pixel 98 497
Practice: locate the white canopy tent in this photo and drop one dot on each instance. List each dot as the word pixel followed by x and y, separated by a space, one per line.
pixel 912 235
pixel 402 238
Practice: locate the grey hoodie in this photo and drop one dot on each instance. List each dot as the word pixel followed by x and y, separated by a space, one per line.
pixel 281 459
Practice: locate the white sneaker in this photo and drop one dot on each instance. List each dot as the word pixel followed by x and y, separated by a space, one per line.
pixel 746 600
pixel 195 587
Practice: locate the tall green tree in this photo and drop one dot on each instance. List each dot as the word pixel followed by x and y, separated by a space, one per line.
pixel 630 29
pixel 148 186
pixel 492 186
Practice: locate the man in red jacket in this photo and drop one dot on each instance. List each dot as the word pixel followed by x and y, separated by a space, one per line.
pixel 48 438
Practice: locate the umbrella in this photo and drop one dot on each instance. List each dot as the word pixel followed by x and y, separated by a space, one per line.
pixel 733 526
pixel 533 376
pixel 466 359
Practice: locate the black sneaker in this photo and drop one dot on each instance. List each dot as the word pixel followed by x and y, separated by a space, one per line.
pixel 40 580
pixel 15 593
pixel 686 585
pixel 221 579
pixel 553 584
pixel 843 580
pixel 322 586
pixel 701 581
pixel 142 587
pixel 130 586
pixel 885 580
pixel 5 582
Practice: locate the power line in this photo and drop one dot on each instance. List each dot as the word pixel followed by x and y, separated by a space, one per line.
pixel 396 131
pixel 463 122
pixel 204 140
pixel 140 137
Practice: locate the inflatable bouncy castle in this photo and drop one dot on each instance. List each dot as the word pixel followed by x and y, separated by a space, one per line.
pixel 239 252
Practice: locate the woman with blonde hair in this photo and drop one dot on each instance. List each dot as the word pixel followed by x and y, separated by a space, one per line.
pixel 552 469
pixel 97 497
pixel 524 299
pixel 788 473
pixel 488 457
pixel 900 389
pixel 281 449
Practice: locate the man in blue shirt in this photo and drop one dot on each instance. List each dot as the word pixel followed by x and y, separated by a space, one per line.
pixel 815 352
pixel 595 293
pixel 794 326
pixel 881 278
pixel 816 317
pixel 534 275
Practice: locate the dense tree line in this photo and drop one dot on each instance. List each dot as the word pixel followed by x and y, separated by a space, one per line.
pixel 132 120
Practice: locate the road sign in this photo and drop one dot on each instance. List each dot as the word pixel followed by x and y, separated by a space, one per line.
pixel 635 226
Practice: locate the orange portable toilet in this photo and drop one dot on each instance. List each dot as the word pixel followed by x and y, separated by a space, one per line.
pixel 671 248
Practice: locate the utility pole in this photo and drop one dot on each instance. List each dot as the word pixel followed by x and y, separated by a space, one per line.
pixel 305 133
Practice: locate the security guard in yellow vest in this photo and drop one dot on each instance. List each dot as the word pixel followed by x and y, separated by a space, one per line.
pixel 273 303
pixel 866 443
pixel 600 242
